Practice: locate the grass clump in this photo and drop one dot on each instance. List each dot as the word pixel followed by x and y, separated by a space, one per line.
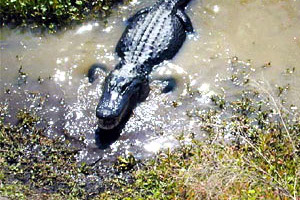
pixel 154 181
pixel 53 14
pixel 262 160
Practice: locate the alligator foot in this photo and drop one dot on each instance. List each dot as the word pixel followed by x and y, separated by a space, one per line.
pixel 93 72
pixel 171 84
pixel 185 21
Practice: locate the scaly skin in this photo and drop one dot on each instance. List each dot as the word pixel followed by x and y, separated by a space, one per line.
pixel 153 35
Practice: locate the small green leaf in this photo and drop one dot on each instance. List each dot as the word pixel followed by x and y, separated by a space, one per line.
pixel 251 191
pixel 78 2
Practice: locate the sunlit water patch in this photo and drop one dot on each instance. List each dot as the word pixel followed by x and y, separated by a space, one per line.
pixel 264 34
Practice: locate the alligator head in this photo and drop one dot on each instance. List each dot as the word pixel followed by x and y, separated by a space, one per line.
pixel 120 95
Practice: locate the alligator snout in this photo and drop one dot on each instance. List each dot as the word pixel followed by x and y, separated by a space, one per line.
pixel 107 123
pixel 110 117
pixel 107 119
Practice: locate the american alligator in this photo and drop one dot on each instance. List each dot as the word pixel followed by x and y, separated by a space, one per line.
pixel 153 34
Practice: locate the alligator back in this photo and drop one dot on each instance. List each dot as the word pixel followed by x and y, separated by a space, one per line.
pixel 152 36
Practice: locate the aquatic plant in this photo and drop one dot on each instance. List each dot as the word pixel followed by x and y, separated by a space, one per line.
pixel 33 166
pixel 52 15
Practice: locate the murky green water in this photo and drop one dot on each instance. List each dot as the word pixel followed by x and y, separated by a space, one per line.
pixel 257 32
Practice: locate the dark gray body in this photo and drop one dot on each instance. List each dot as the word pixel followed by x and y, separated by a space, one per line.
pixel 153 35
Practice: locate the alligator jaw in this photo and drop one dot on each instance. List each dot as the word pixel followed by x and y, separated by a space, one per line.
pixel 110 123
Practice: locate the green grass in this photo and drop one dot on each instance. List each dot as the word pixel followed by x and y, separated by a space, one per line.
pixel 52 15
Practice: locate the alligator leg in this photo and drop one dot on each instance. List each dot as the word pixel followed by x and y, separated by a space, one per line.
pixel 94 71
pixel 170 81
pixel 140 12
pixel 185 20
pixel 144 92
pixel 171 84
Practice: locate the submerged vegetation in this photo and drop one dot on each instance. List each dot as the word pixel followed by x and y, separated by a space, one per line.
pixel 52 15
pixel 251 151
pixel 32 165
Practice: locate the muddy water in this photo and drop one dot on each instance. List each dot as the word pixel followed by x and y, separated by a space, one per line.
pixel 261 33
